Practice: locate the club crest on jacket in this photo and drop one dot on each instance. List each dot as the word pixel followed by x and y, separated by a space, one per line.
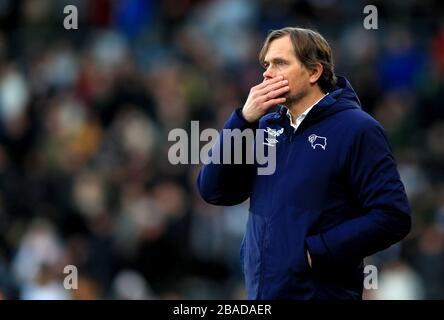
pixel 316 140
pixel 273 134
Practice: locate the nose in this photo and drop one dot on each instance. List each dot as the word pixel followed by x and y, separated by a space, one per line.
pixel 268 74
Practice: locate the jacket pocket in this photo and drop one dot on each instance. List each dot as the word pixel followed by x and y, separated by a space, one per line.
pixel 288 275
pixel 298 226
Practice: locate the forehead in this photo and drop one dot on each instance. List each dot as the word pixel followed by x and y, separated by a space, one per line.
pixel 281 47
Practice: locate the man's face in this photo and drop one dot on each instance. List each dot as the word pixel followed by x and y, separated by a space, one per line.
pixel 280 59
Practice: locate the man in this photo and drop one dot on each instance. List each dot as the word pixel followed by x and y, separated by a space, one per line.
pixel 335 196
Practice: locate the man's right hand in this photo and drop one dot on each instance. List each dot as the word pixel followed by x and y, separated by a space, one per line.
pixel 264 96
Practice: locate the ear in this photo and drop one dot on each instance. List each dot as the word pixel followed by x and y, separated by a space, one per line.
pixel 315 73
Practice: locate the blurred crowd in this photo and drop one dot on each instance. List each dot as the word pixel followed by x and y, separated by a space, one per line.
pixel 84 121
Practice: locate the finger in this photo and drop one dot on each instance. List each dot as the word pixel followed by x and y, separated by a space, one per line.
pixel 272 87
pixel 268 82
pixel 275 93
pixel 273 102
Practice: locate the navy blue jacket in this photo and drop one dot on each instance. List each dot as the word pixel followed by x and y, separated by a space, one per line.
pixel 336 192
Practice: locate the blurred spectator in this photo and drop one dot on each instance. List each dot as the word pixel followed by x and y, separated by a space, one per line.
pixel 397 281
pixel 84 122
pixel 130 285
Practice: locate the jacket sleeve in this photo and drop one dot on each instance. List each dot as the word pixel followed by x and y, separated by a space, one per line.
pixel 228 184
pixel 385 216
